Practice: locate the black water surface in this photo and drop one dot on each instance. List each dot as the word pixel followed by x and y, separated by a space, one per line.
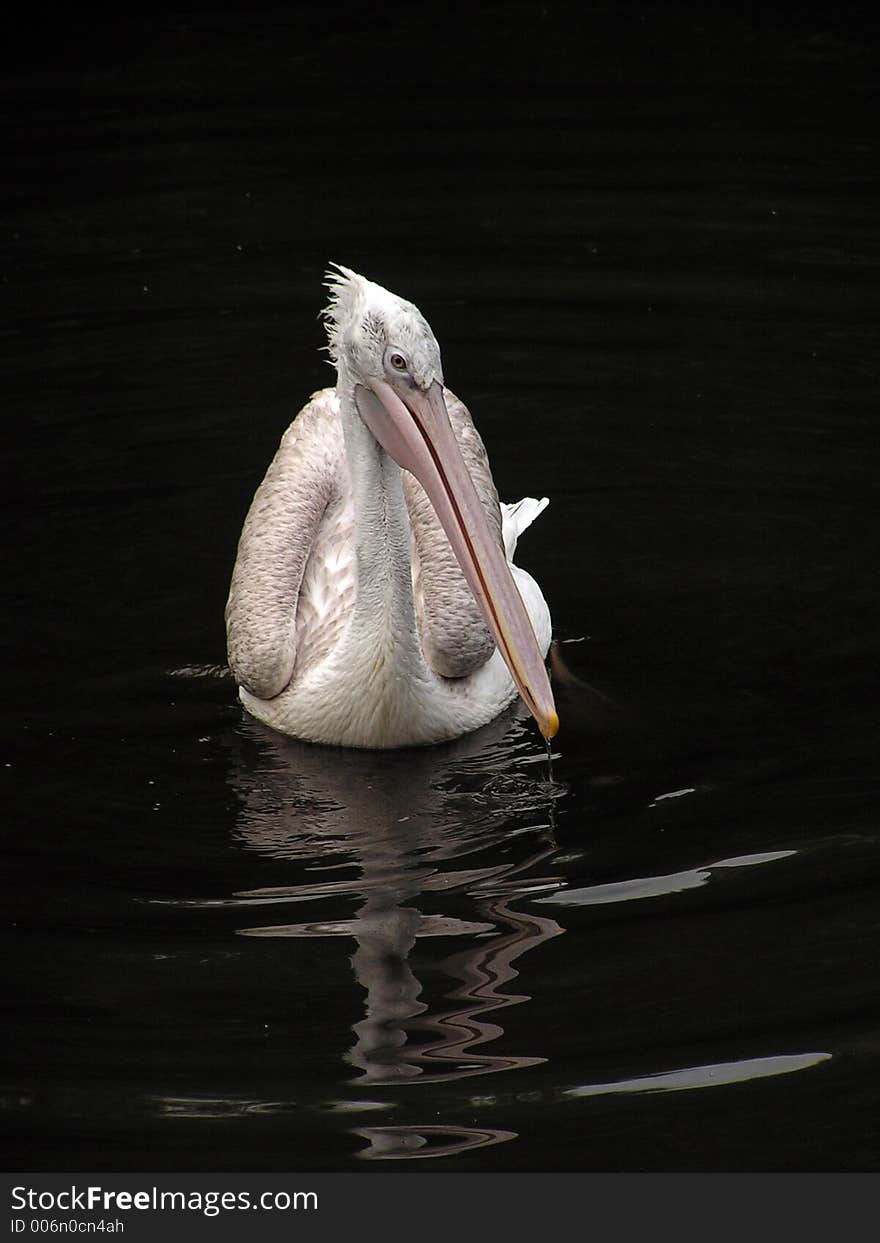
pixel 647 244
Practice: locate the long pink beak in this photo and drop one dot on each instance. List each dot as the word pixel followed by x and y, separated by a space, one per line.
pixel 415 430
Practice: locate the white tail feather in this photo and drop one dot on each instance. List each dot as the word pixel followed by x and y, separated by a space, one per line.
pixel 516 517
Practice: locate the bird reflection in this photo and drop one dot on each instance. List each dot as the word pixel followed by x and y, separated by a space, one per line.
pixel 444 840
pixel 389 1143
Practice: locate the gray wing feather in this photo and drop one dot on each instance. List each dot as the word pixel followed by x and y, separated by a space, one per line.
pixel 275 544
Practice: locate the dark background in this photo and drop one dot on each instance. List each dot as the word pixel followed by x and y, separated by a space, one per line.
pixel 646 240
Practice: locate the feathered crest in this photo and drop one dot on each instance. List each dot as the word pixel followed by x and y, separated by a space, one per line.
pixel 361 317
pixel 347 289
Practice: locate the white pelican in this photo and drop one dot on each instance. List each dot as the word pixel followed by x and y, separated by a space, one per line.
pixel 352 618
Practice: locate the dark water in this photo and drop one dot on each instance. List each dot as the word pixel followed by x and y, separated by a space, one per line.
pixel 648 247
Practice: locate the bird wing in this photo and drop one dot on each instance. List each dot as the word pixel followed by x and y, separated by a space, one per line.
pixel 267 633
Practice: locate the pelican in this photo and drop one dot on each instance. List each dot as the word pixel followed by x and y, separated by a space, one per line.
pixel 374 602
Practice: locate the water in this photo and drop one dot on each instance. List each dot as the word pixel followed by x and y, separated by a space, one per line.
pixel 649 254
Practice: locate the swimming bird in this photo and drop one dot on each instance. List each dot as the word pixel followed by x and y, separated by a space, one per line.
pixel 374 602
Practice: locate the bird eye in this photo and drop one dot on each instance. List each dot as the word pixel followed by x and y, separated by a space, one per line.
pixel 398 362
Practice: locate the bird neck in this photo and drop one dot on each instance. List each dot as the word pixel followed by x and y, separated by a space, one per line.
pixel 382 531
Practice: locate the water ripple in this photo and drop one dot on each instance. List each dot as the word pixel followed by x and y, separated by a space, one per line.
pixel 712 1076
pixel 656 886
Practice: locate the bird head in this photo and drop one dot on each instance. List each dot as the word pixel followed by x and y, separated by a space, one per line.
pixel 375 335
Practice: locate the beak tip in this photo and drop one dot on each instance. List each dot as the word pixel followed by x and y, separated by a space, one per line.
pixel 550 726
